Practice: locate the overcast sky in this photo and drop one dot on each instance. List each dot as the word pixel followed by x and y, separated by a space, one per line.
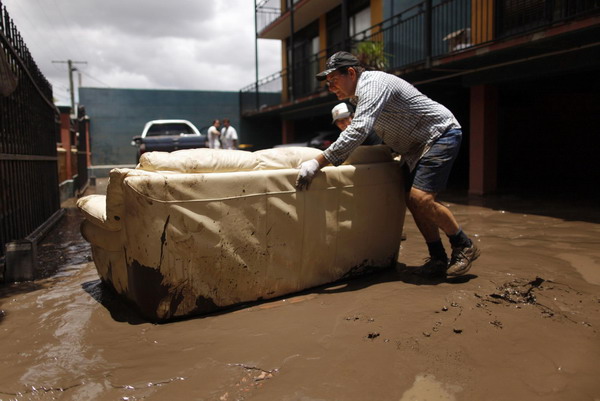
pixel 150 44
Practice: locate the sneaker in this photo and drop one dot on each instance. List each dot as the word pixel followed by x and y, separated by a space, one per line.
pixel 461 260
pixel 433 267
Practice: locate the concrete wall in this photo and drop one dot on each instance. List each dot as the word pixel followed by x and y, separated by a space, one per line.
pixel 116 115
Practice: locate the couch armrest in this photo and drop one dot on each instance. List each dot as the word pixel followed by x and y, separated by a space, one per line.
pixel 100 237
pixel 93 208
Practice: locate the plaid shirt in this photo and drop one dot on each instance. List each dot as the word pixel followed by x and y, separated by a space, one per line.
pixel 405 119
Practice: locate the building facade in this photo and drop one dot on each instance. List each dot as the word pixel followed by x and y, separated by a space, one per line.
pixel 520 75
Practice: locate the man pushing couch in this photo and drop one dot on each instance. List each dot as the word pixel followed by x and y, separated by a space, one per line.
pixel 427 136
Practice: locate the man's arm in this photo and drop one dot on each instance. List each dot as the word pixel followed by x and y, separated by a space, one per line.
pixel 234 137
pixel 372 96
pixel 308 170
pixel 214 131
pixel 322 161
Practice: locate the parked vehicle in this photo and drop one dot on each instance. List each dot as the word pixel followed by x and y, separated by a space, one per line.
pixel 167 136
pixel 292 144
pixel 321 141
pixel 324 139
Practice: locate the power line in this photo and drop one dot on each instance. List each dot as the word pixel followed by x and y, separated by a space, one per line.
pixel 95 79
pixel 68 25
pixel 65 41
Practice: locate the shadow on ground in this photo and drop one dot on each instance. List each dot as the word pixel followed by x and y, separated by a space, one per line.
pixel 122 310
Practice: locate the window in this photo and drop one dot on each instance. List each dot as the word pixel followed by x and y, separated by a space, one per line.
pixel 169 129
pixel 314 63
pixel 360 22
pixel 303 48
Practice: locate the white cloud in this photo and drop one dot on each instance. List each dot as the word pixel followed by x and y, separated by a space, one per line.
pixel 182 44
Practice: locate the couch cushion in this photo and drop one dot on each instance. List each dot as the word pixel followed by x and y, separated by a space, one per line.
pixel 222 161
pixel 198 161
pixel 283 158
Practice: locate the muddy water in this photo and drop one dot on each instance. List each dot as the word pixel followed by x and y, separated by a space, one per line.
pixel 523 325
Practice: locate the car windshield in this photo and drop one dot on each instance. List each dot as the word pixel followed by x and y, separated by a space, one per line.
pixel 169 129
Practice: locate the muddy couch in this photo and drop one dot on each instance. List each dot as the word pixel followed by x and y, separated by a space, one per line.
pixel 192 231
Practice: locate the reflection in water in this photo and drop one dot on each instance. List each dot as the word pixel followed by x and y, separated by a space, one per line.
pixel 586 265
pixel 427 388
pixel 65 317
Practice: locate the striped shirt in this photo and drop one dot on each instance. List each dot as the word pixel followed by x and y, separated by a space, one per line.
pixel 406 120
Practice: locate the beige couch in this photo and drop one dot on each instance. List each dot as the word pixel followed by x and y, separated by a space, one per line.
pixel 192 231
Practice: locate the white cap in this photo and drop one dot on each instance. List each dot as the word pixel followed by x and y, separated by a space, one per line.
pixel 340 111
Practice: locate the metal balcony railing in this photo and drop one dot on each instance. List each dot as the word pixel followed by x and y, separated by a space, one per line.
pixel 267 11
pixel 415 37
pixel 517 16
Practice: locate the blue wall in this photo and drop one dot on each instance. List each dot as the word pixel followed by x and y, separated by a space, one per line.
pixel 116 115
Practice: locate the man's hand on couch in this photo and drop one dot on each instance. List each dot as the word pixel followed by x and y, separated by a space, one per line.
pixel 308 169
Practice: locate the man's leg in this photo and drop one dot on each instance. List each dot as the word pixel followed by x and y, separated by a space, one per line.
pixel 422 205
pixel 430 177
pixel 431 216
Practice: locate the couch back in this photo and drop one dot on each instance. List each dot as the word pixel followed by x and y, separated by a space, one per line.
pixel 220 161
pixel 108 212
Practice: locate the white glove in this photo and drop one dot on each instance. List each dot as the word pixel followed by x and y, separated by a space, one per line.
pixel 308 169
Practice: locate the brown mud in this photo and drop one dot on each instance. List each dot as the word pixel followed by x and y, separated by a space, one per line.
pixel 522 325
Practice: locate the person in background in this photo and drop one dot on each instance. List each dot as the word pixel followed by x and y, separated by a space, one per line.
pixel 342 117
pixel 229 137
pixel 426 135
pixel 214 135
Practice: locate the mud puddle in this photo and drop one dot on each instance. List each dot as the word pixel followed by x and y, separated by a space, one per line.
pixel 63 245
pixel 524 325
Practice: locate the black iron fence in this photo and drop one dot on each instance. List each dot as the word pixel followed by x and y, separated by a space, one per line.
pixel 517 16
pixel 414 37
pixel 28 134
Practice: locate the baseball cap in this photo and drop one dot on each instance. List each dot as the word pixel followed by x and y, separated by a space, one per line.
pixel 338 60
pixel 340 111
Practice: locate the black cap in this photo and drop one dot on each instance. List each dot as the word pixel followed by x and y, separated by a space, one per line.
pixel 338 60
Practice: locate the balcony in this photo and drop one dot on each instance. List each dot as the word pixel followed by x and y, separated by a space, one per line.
pixel 275 23
pixel 437 40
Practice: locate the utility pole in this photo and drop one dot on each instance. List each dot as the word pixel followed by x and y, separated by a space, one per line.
pixel 71 69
